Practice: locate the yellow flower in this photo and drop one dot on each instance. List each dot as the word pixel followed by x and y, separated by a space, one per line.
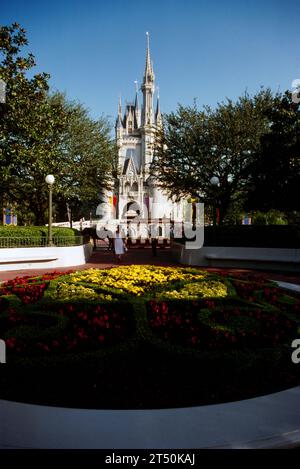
pixel 193 291
pixel 135 279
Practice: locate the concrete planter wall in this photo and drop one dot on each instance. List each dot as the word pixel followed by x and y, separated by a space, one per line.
pixel 252 258
pixel 44 257
pixel 271 421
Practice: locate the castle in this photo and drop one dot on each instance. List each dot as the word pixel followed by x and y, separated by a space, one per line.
pixel 136 194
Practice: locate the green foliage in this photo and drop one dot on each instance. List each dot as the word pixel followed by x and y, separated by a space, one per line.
pixel 242 344
pixel 235 313
pixel 90 155
pixel 9 231
pixel 42 134
pixel 30 127
pixel 252 146
pixel 273 217
pixel 275 172
pixel 270 236
pixel 195 145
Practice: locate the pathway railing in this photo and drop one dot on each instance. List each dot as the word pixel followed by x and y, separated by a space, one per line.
pixel 41 241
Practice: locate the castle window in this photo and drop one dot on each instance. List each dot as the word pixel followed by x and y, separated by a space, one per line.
pixel 130 153
pixel 135 187
pixel 127 188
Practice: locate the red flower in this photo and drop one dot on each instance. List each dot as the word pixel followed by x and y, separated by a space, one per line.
pixel 81 334
pixel 72 344
pixel 11 342
pixel 43 346
pixel 82 315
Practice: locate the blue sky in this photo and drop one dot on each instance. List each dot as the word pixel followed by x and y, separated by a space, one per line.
pixel 95 49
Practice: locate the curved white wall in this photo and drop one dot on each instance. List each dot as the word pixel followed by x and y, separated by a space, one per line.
pixel 252 258
pixel 271 421
pixel 44 257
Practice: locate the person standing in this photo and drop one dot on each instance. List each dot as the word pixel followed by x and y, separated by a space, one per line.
pixel 109 236
pixel 154 239
pixel 172 229
pixel 130 235
pixel 119 245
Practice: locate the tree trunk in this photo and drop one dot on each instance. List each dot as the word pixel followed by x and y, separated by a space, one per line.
pixel 39 213
pixel 223 208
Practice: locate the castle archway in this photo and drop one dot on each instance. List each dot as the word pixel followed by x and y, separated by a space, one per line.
pixel 131 210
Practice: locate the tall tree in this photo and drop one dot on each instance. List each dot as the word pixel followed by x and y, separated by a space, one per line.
pixel 275 173
pixel 89 154
pixel 41 134
pixel 30 126
pixel 195 145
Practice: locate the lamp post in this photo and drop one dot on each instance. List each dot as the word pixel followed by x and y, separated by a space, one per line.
pixel 215 182
pixel 50 181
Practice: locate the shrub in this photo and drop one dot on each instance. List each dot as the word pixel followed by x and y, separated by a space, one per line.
pixel 38 233
pixel 22 231
pixel 271 236
pixel 273 217
pixel 216 326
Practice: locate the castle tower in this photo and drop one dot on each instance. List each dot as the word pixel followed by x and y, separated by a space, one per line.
pixel 135 193
pixel 147 89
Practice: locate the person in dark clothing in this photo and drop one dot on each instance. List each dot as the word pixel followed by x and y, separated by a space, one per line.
pixel 109 235
pixel 154 239
pixel 154 246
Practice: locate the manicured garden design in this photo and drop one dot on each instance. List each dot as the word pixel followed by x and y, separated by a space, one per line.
pixel 146 337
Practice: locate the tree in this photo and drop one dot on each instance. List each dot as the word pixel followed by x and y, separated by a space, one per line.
pixel 42 134
pixel 30 127
pixel 90 157
pixel 195 145
pixel 275 173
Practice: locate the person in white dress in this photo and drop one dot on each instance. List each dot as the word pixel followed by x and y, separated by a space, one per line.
pixel 119 244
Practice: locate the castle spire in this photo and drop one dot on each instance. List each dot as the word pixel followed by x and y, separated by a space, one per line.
pixel 119 118
pixel 158 118
pixel 136 101
pixel 149 75
pixel 120 107
pixel 148 89
pixel 137 112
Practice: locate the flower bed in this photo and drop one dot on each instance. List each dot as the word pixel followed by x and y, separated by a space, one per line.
pixel 134 336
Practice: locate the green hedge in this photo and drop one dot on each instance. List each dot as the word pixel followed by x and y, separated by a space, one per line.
pixel 271 236
pixel 9 231
pixel 31 236
pixel 268 236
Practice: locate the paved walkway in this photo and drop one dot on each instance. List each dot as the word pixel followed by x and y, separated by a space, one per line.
pixel 101 259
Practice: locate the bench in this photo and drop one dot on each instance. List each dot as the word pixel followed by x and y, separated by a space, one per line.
pixel 29 260
pixel 248 258
pixel 222 257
